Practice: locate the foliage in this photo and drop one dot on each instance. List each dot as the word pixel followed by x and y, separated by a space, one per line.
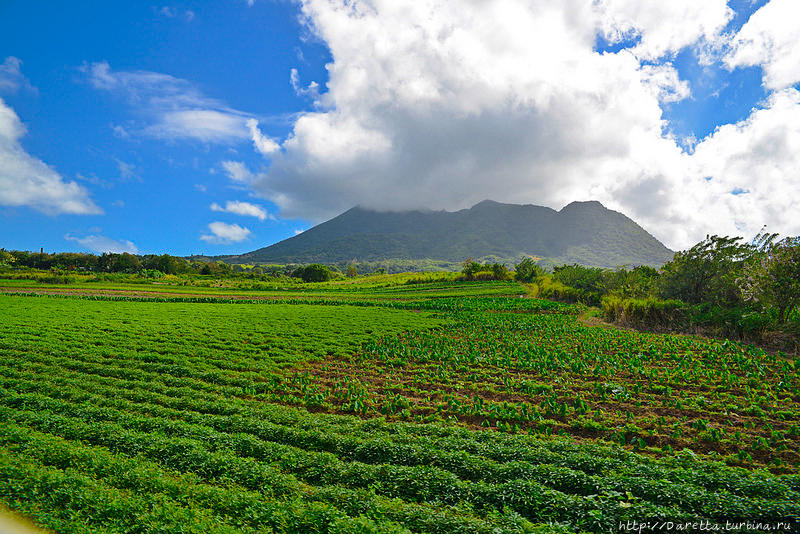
pixel 6 258
pixel 772 278
pixel 707 272
pixel 588 281
pixel 639 282
pixel 472 270
pixel 648 313
pixel 528 270
pixel 315 272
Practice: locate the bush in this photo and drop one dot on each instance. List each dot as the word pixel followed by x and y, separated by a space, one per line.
pixel 472 270
pixel 316 272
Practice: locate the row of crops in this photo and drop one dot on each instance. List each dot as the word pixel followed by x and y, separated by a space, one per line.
pixel 163 416
pixel 548 373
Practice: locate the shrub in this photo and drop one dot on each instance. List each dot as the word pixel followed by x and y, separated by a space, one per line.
pixel 316 272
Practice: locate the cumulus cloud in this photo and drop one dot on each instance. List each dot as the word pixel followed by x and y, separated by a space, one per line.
pixel 662 27
pixel 100 243
pixel 223 233
pixel 758 158
pixel 770 39
pixel 435 104
pixel 242 208
pixel 172 108
pixel 28 181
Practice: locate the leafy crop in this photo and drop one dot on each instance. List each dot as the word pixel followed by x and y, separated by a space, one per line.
pixel 197 413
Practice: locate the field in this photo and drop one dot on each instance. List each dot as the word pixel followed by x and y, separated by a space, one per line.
pixel 377 406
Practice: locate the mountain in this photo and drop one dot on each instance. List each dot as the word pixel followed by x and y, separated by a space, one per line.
pixel 582 232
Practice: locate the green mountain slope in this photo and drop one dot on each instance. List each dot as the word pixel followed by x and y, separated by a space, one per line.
pixel 582 232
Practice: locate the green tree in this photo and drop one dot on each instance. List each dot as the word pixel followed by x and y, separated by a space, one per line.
pixel 772 278
pixel 639 282
pixel 707 272
pixel 315 272
pixel 528 270
pixel 470 267
pixel 352 272
pixel 500 271
pixel 6 258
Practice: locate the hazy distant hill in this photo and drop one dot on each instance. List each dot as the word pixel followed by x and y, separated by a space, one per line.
pixel 582 232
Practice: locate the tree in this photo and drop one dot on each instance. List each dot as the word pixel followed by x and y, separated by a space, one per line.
pixel 352 272
pixel 470 267
pixel 528 270
pixel 500 271
pixel 639 282
pixel 6 258
pixel 707 272
pixel 772 278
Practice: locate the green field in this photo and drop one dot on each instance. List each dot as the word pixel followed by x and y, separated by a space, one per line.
pixel 377 406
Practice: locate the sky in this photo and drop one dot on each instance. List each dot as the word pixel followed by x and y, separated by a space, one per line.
pixel 222 127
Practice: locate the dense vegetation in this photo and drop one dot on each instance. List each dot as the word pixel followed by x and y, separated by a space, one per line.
pixel 721 286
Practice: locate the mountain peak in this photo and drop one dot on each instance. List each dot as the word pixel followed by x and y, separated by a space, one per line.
pixel 486 203
pixel 578 204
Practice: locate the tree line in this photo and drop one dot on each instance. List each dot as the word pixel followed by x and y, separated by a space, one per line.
pixel 723 283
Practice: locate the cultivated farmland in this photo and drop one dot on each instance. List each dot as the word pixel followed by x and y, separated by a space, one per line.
pixel 384 407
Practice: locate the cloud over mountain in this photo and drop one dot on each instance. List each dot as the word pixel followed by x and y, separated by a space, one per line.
pixel 439 104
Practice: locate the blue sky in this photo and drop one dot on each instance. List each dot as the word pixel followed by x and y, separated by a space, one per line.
pixel 154 191
pixel 222 127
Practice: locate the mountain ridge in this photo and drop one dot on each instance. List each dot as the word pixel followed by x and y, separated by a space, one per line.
pixel 584 232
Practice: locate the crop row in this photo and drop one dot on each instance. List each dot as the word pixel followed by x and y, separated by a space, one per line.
pixel 703 503
pixel 448 304
pixel 217 410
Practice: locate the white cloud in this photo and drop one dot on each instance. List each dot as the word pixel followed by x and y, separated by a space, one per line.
pixel 174 12
pixel 27 181
pixel 242 208
pixel 311 91
pixel 662 27
pixel 263 144
pixel 664 82
pixel 237 171
pixel 11 77
pixel 223 233
pixel 127 171
pixel 99 243
pixel 770 39
pixel 761 155
pixel 173 108
pixel 206 125
pixel 436 104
